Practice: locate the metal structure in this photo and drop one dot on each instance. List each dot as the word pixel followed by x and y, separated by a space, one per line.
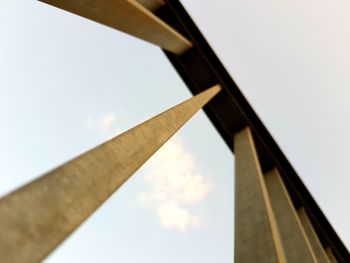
pixel 276 218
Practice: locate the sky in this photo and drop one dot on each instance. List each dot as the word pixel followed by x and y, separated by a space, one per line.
pixel 68 84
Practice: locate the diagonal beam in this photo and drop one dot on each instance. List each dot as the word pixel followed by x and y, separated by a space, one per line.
pixel 295 243
pixel 130 17
pixel 39 216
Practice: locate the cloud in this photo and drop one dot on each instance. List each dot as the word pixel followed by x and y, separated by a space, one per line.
pixel 105 125
pixel 174 216
pixel 175 184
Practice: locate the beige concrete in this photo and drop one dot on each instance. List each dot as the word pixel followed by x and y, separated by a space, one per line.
pixel 315 243
pixel 330 255
pixel 256 234
pixel 130 17
pixel 40 215
pixel 151 4
pixel 295 243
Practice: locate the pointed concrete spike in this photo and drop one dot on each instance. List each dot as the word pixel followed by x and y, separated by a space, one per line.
pixel 39 216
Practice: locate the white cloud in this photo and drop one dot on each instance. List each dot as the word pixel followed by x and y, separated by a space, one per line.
pixel 105 125
pixel 108 121
pixel 174 216
pixel 175 184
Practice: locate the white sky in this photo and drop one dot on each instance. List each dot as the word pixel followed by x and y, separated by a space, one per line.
pixel 67 84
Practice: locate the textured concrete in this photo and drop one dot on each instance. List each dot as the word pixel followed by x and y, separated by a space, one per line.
pixel 130 17
pixel 256 234
pixel 315 243
pixel 295 243
pixel 40 215
pixel 330 255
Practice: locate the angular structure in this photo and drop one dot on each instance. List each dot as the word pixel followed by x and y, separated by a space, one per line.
pixel 40 215
pixel 277 220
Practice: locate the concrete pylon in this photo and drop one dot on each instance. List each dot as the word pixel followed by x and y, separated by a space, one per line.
pixel 130 17
pixel 295 243
pixel 315 242
pixel 39 216
pixel 256 233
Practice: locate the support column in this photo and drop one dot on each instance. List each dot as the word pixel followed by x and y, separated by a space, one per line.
pixel 295 243
pixel 131 17
pixel 39 216
pixel 315 243
pixel 256 234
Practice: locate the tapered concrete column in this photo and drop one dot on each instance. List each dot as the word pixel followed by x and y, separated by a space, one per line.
pixel 130 17
pixel 40 215
pixel 315 243
pixel 256 234
pixel 330 255
pixel 295 243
